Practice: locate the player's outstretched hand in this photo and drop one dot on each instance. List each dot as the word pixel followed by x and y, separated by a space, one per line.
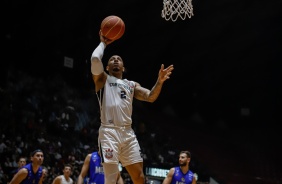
pixel 165 73
pixel 104 39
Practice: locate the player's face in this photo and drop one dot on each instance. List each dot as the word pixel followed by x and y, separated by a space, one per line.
pixel 115 64
pixel 183 159
pixel 67 170
pixel 21 162
pixel 45 173
pixel 38 158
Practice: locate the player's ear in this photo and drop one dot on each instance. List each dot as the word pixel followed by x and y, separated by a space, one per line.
pixel 107 68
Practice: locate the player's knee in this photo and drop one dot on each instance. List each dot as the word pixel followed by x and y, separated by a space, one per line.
pixel 111 178
pixel 111 173
pixel 138 178
pixel 141 178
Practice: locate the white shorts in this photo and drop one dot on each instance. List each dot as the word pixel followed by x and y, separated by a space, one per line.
pixel 119 145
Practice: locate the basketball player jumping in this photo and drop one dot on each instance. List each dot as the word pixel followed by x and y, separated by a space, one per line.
pixel 117 140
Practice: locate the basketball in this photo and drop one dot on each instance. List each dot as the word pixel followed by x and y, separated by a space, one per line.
pixel 112 27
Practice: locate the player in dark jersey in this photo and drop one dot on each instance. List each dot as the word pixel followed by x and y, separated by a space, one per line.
pixel 181 174
pixel 92 171
pixel 30 173
pixel 21 163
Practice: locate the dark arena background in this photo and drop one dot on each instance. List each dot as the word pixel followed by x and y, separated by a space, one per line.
pixel 222 102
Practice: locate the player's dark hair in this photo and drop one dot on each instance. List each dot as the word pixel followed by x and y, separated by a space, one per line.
pixel 187 153
pixel 35 151
pixel 68 165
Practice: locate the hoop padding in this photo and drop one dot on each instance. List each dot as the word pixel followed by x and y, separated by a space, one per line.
pixel 174 9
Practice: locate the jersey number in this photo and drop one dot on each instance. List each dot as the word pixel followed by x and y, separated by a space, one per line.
pixel 122 94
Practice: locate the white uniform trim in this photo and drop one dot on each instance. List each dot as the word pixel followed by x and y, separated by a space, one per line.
pixel 64 181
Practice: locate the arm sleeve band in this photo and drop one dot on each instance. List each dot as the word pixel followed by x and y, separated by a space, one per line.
pixel 96 59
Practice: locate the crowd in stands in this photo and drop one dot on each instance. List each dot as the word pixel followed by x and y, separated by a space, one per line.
pixel 63 121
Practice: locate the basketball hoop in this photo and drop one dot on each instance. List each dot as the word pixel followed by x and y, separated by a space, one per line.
pixel 174 9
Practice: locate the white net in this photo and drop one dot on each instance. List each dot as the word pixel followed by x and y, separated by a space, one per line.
pixel 174 9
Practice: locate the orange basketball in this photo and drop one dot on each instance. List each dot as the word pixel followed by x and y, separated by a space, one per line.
pixel 112 27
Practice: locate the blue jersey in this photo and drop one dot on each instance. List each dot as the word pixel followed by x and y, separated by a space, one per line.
pixel 96 172
pixel 32 178
pixel 180 178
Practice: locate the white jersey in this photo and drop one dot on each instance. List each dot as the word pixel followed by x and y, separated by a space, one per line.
pixel 64 181
pixel 116 103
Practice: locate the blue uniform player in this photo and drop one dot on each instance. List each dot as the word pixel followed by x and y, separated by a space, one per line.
pixel 181 174
pixel 92 171
pixel 21 163
pixel 30 173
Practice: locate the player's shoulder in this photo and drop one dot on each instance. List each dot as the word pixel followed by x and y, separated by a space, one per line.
pixel 131 83
pixel 23 170
pixel 59 178
pixel 172 169
pixel 88 156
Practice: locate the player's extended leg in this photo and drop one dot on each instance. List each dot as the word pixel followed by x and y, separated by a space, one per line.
pixel 136 173
pixel 111 172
